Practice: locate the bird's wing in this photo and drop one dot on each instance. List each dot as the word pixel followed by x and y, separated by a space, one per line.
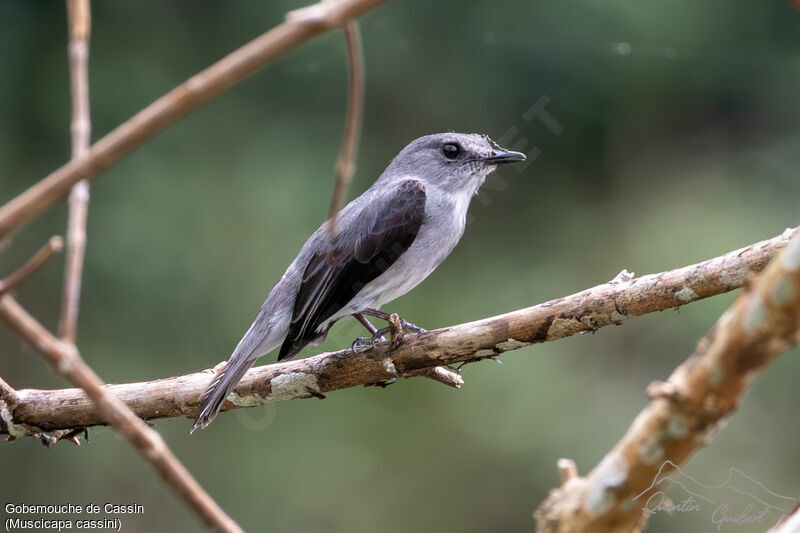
pixel 352 258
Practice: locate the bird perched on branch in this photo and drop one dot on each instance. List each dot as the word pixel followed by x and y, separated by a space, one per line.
pixel 382 245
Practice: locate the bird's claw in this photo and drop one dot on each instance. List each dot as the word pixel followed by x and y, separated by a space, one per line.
pixel 365 343
pixel 397 327
pixel 412 327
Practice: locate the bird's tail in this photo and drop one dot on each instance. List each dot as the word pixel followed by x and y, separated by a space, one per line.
pixel 221 385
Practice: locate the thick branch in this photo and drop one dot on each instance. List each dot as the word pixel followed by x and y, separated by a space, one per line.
pixel 609 303
pixel 66 361
pixel 687 410
pixel 80 24
pixel 300 26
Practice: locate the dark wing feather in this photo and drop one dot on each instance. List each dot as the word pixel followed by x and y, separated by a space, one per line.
pixel 352 259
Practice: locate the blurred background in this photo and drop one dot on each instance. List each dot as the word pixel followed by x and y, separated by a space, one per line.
pixel 677 141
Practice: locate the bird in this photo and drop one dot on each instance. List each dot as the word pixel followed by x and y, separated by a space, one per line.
pixel 379 247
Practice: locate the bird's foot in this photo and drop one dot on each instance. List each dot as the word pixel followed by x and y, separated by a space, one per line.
pixel 397 327
pixel 365 343
pixel 403 322
pixel 408 326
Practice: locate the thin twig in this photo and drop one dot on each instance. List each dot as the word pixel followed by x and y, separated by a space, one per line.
pixel 443 375
pixel 80 24
pixel 345 164
pixel 15 279
pixel 567 469
pixel 300 27
pixel 688 410
pixel 66 361
pixel 586 311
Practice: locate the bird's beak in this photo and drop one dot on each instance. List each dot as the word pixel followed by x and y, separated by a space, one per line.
pixel 502 157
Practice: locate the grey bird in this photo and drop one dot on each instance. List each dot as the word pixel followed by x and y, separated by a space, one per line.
pixel 385 242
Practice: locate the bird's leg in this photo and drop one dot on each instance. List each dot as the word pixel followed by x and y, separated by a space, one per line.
pixel 376 314
pixel 369 342
pixel 366 323
pixel 403 322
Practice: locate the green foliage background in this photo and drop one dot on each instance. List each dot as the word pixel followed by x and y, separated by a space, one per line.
pixel 680 142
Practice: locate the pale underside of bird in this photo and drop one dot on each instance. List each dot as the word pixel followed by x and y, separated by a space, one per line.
pixel 385 243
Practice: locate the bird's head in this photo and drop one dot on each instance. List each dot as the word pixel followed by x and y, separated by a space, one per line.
pixel 457 162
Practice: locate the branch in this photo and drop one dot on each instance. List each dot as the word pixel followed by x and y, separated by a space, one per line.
pixel 8 395
pixel 80 24
pixel 301 26
pixel 16 278
pixel 688 409
pixel 66 361
pixel 789 524
pixel 609 303
pixel 345 165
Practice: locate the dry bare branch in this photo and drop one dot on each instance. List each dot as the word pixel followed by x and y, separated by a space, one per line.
pixel 66 361
pixel 301 26
pixel 8 395
pixel 80 25
pixel 688 409
pixel 15 279
pixel 345 164
pixel 443 375
pixel 567 469
pixel 606 304
pixel 789 524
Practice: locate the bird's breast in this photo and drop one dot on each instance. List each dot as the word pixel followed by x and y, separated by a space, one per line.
pixel 445 218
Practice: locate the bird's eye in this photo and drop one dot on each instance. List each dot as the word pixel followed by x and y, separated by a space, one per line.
pixel 451 150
